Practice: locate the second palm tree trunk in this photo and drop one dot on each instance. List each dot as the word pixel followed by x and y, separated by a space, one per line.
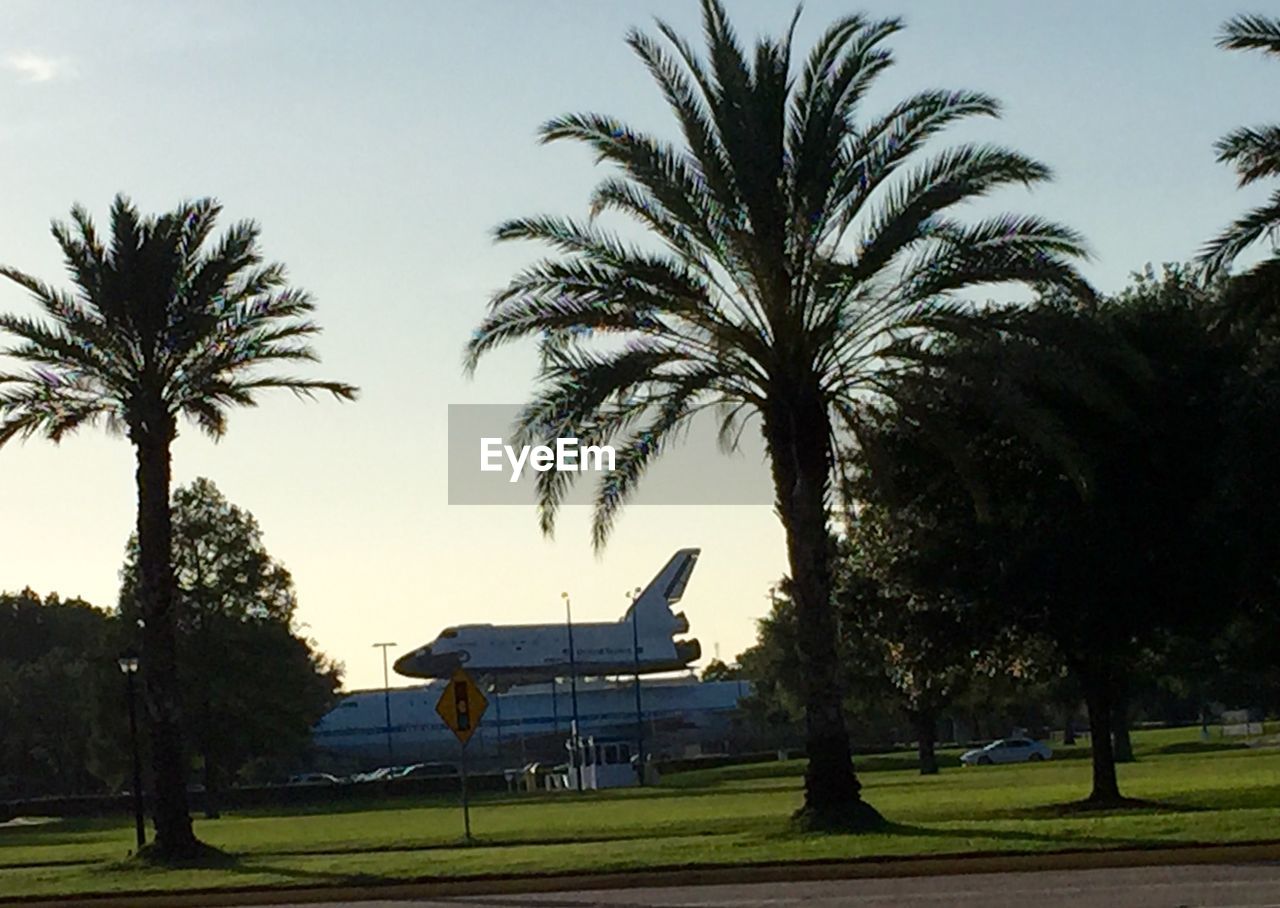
pixel 799 440
pixel 174 835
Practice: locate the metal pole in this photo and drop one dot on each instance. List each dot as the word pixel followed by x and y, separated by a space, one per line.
pixel 573 692
pixel 139 824
pixel 466 806
pixel 386 697
pixel 497 702
pixel 635 655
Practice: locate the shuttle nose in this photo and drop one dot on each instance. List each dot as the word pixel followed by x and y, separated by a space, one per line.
pixel 406 664
pixel 423 663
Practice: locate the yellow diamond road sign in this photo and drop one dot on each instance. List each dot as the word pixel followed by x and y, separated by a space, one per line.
pixel 461 705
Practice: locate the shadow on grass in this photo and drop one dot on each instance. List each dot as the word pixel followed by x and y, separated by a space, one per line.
pixel 1261 797
pixel 1056 841
pixel 676 830
pixel 1195 747
pixel 223 862
pixel 317 877
pixel 1087 808
pixel 604 797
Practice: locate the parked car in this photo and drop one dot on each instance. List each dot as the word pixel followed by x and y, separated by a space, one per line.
pixel 1008 750
pixel 313 778
pixel 376 775
pixel 428 771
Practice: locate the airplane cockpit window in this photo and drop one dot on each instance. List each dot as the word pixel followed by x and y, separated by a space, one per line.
pixel 448 633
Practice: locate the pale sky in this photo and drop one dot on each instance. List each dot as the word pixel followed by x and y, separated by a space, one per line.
pixel 379 143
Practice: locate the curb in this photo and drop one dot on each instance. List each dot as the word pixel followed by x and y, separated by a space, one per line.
pixel 871 868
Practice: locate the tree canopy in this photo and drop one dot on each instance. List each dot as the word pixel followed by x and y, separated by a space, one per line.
pixel 60 697
pixel 251 686
pixel 1132 507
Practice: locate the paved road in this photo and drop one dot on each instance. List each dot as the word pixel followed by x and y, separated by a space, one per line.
pixel 1219 886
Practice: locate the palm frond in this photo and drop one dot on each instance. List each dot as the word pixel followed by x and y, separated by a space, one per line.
pixel 872 155
pixel 670 414
pixel 1251 32
pixel 752 296
pixel 904 215
pixel 1223 249
pixel 1255 152
pixel 51 404
pixel 162 319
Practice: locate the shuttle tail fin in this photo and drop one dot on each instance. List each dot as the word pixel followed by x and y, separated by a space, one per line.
pixel 666 589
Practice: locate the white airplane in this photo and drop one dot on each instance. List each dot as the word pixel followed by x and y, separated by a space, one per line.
pixel 525 653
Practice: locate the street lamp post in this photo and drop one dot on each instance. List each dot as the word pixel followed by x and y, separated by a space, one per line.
pixel 575 763
pixel 635 656
pixel 129 666
pixel 386 695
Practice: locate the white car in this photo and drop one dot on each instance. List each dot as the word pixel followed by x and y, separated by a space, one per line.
pixel 1008 750
pixel 376 775
pixel 314 778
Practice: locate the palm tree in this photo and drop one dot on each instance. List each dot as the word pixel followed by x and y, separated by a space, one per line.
pixel 791 245
pixel 1254 152
pixel 159 325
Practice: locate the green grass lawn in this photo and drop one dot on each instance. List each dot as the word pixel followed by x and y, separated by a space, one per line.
pixel 1207 792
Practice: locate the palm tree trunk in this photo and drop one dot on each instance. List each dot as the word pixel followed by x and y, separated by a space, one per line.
pixel 174 836
pixel 799 441
pixel 1106 790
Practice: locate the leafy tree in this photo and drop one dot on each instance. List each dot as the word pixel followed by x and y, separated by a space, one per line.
pixel 775 706
pixel 1254 152
pixel 1153 527
pixel 900 659
pixel 160 324
pixel 250 687
pixel 918 649
pixel 791 239
pixel 60 697
pixel 717 670
pixel 220 566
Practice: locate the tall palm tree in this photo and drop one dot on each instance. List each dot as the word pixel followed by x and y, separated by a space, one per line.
pixel 791 243
pixel 160 324
pixel 1254 152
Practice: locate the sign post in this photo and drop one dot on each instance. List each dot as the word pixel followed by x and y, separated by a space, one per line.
pixel 466 806
pixel 461 706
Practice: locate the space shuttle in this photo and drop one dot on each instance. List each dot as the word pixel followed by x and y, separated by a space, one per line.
pixel 642 641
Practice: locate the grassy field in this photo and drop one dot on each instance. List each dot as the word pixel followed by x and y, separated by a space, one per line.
pixel 1206 792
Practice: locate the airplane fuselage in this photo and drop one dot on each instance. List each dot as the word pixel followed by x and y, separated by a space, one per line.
pixel 541 651
pixel 642 642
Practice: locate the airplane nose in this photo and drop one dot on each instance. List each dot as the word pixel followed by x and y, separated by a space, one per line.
pixel 406 665
pixel 423 663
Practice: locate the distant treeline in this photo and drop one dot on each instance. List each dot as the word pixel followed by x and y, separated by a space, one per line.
pixel 250 687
